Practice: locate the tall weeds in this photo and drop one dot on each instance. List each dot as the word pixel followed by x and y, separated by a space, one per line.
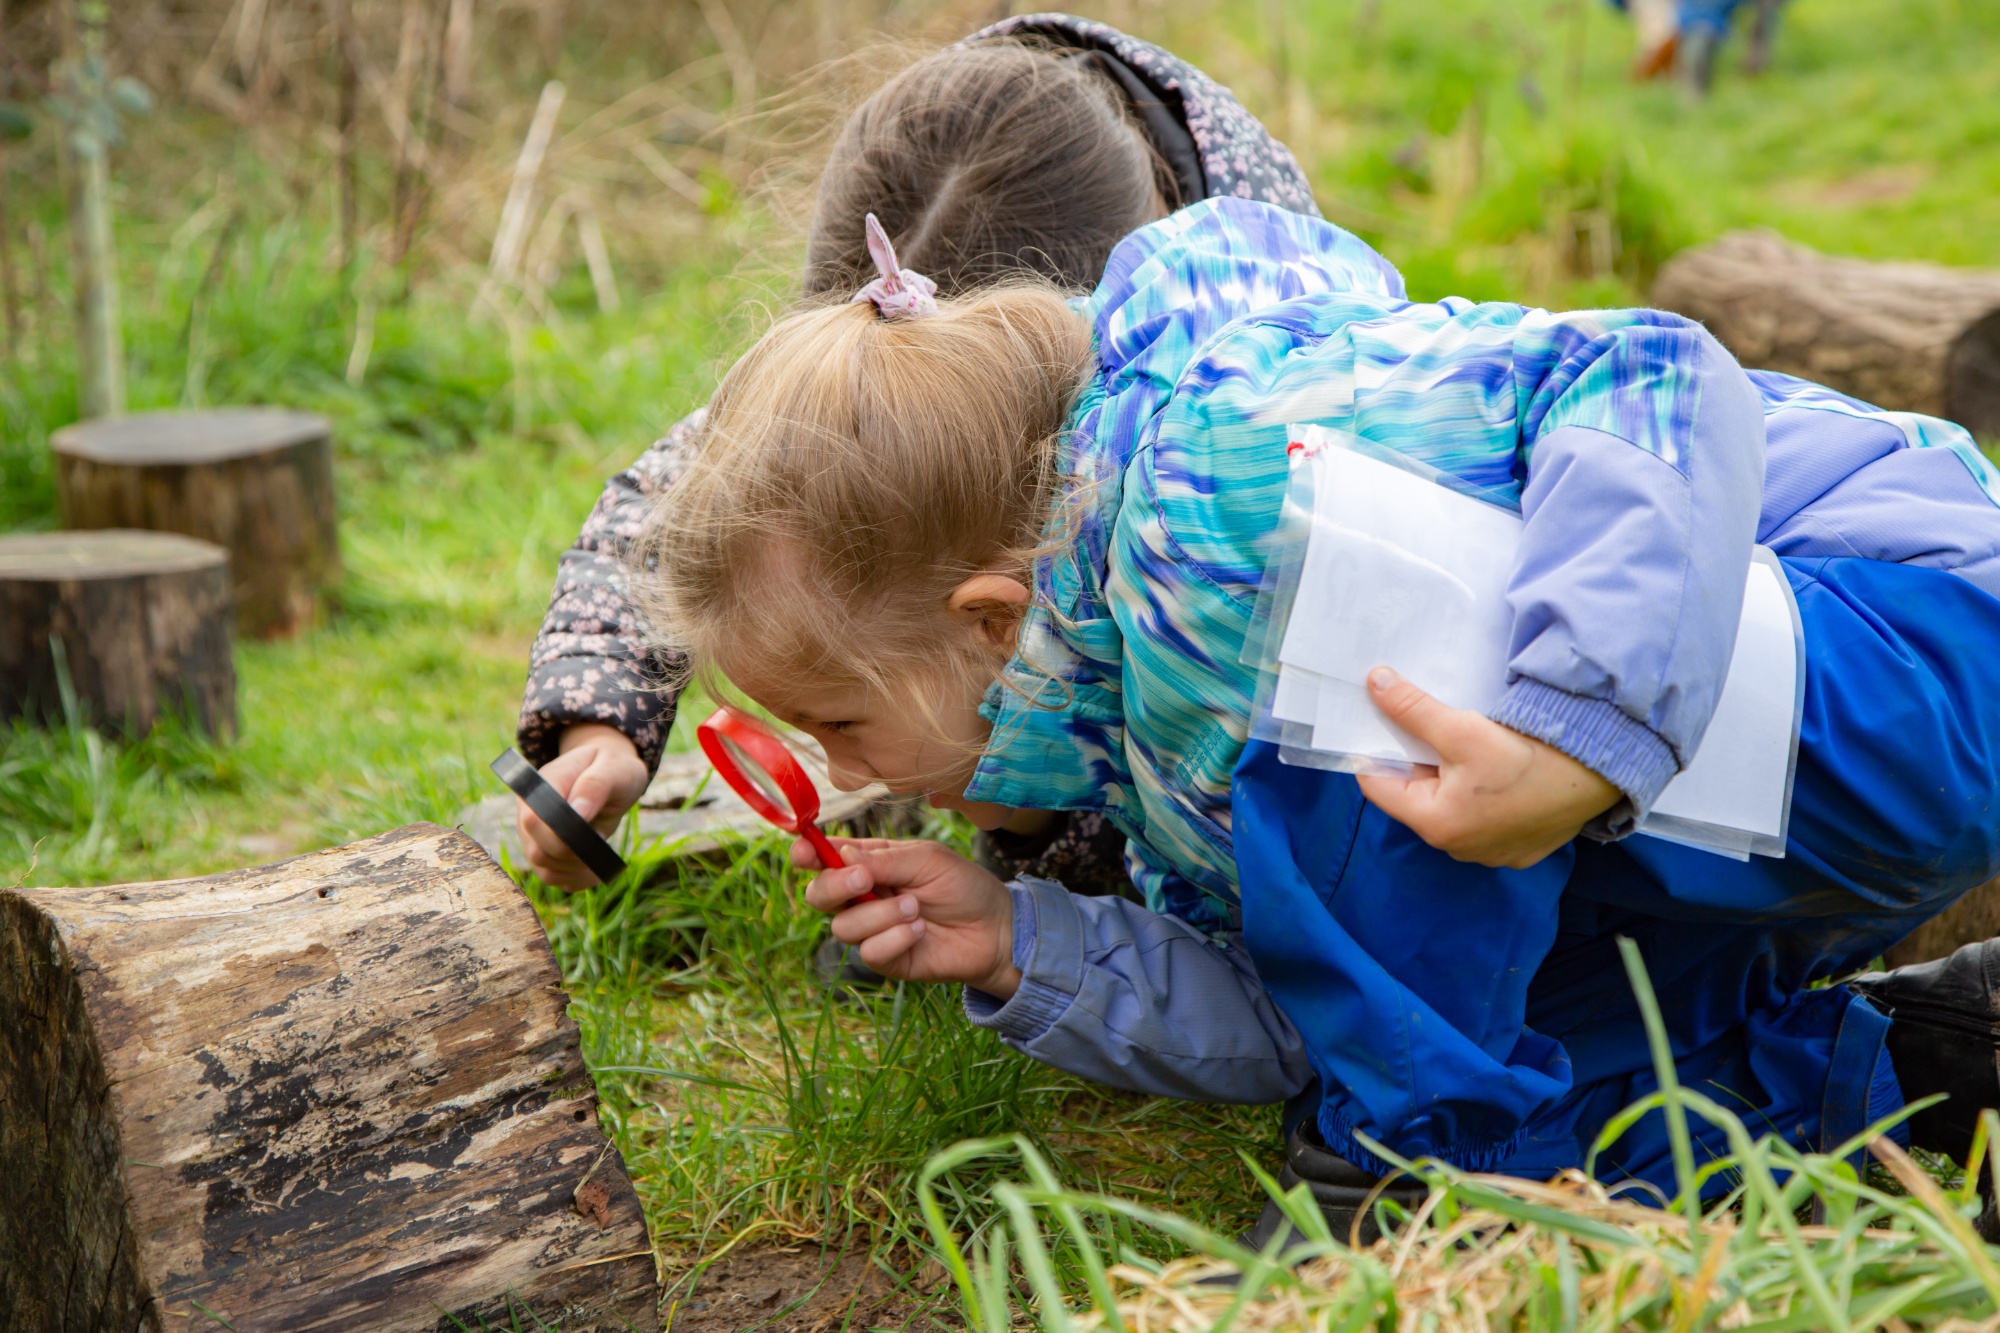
pixel 1485 1252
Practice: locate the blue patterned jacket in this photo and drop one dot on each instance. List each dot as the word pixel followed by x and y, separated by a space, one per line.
pixel 1634 446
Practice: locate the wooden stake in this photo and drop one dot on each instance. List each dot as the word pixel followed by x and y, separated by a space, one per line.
pixel 412 185
pixel 742 74
pixel 458 53
pixel 38 268
pixel 349 90
pixel 100 348
pixel 505 262
pixel 8 294
pixel 597 257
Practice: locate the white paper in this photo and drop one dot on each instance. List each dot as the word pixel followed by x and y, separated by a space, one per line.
pixel 1740 775
pixel 1371 594
pixel 1402 572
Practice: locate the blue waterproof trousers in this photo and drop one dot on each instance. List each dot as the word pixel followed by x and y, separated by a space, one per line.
pixel 1484 1016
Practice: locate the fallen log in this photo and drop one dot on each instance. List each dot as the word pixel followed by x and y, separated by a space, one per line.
pixel 256 481
pixel 339 1092
pixel 139 622
pixel 1907 336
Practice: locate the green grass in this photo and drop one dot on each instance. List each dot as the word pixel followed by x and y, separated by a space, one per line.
pixel 1800 1241
pixel 749 1100
pixel 1490 148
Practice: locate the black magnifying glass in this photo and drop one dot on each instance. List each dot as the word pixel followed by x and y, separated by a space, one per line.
pixel 548 805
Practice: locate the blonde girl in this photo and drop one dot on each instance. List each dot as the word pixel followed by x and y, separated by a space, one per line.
pixel 1003 549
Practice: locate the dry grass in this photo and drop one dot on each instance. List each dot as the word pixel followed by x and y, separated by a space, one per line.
pixel 1769 1237
pixel 691 106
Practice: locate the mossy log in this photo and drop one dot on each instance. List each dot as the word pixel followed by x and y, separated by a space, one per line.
pixel 256 481
pixel 139 621
pixel 339 1092
pixel 1906 336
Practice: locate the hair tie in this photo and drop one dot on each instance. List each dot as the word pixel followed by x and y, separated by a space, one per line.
pixel 900 293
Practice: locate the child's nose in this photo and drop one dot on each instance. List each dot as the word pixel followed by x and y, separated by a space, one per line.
pixel 846 778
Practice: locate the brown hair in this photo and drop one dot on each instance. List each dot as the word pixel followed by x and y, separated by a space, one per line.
pixel 852 472
pixel 986 161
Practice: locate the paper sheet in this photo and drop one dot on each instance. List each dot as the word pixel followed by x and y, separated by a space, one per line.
pixel 1403 572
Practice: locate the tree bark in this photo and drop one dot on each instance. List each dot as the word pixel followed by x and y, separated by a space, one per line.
pixel 339 1092
pixel 1910 337
pixel 256 481
pixel 139 621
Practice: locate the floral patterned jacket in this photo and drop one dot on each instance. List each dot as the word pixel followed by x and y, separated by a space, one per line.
pixel 592 661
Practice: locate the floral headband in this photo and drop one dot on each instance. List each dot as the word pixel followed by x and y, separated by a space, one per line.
pixel 900 293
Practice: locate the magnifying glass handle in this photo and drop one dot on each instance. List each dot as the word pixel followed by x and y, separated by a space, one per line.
pixel 830 857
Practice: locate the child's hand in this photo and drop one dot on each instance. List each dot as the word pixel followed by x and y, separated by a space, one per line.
pixel 600 773
pixel 938 917
pixel 1498 798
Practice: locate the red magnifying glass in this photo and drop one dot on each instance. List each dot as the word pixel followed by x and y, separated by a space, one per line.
pixel 763 771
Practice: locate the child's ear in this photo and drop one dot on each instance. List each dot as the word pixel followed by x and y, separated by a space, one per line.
pixel 991 605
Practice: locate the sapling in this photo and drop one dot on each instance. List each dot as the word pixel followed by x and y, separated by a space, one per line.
pixel 92 107
pixel 15 123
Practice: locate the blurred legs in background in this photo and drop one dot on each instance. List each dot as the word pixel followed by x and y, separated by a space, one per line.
pixel 1657 26
pixel 1685 37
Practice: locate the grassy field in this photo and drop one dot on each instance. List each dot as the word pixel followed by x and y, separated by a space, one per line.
pixel 1490 149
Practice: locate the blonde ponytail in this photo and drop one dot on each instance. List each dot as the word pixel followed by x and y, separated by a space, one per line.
pixel 851 473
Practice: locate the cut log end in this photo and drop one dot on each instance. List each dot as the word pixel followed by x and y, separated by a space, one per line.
pixel 68 1259
pixel 340 1092
pixel 138 623
pixel 256 481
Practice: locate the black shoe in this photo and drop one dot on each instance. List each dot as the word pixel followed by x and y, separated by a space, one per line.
pixel 1944 1036
pixel 840 969
pixel 1340 1188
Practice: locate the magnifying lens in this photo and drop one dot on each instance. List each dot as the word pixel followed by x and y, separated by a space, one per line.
pixel 752 759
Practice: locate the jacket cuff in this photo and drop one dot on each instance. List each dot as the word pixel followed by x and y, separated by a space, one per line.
pixel 1597 734
pixel 1048 948
pixel 567 690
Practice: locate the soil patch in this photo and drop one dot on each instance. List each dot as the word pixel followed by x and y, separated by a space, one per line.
pixel 804 1289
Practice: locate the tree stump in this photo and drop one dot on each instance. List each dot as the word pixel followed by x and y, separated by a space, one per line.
pixel 339 1092
pixel 256 481
pixel 1910 337
pixel 140 620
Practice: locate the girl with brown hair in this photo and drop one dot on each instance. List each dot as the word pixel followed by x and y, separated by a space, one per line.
pixel 1033 146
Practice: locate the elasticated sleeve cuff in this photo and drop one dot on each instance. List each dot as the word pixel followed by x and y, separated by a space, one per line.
pixel 1048 948
pixel 1597 734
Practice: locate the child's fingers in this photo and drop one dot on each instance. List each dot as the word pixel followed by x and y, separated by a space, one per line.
pixel 548 855
pixel 880 952
pixel 1412 802
pixel 1430 720
pixel 903 864
pixel 806 857
pixel 866 920
pixel 831 890
pixel 605 789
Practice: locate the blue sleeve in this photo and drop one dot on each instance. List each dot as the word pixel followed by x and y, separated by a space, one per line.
pixel 1141 1001
pixel 1644 445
